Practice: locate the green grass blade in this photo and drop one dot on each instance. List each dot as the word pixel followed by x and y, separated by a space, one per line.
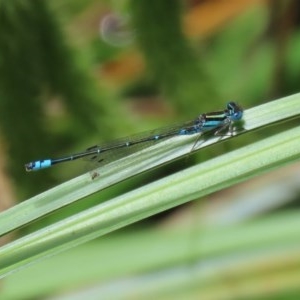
pixel 152 157
pixel 158 196
pixel 171 257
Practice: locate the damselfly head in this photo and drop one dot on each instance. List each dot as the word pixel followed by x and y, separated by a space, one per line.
pixel 235 112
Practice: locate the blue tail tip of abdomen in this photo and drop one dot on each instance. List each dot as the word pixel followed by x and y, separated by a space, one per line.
pixel 38 165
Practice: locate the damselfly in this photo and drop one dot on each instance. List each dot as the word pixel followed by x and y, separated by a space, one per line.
pixel 216 122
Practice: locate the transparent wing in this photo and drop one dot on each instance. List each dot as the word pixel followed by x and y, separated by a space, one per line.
pixel 123 147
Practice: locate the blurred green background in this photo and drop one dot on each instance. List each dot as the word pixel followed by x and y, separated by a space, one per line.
pixel 77 73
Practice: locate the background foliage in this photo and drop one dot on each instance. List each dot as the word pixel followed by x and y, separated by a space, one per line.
pixel 76 73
